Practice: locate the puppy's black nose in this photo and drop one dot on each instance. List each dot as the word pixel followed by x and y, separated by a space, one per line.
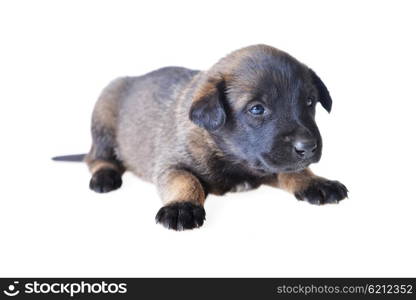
pixel 305 148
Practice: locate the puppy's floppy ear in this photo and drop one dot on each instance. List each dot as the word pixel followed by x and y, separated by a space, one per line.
pixel 207 108
pixel 324 96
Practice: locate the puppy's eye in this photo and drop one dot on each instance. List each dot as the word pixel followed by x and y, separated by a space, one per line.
pixel 257 109
pixel 309 101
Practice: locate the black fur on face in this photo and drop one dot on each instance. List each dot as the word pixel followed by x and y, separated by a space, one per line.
pixel 262 113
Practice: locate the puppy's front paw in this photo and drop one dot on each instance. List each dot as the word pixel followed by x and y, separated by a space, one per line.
pixel 181 216
pixel 323 191
pixel 105 180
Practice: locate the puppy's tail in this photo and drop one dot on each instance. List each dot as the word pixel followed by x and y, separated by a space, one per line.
pixel 70 158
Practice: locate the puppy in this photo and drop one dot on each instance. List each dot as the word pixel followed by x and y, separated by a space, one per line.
pixel 247 121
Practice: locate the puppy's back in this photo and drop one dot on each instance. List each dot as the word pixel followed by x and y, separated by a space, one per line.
pixel 145 111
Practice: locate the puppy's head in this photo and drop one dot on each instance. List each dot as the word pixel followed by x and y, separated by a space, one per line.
pixel 259 105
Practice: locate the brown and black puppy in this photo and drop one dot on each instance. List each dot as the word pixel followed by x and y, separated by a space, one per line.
pixel 247 121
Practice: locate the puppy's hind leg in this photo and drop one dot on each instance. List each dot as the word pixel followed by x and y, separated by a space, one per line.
pixel 106 169
pixel 102 161
pixel 184 197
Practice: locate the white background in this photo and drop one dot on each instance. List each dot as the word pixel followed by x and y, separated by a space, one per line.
pixel 56 56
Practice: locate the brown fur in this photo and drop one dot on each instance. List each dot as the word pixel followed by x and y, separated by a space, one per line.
pixel 97 165
pixel 294 182
pixel 178 186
